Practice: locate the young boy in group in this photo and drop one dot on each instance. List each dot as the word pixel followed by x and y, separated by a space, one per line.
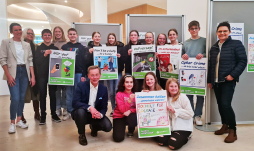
pixel 80 67
pixel 195 47
pixel 42 62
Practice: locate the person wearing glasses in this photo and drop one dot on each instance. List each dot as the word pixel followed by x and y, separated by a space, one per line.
pixel 90 104
pixel 16 59
pixel 227 62
pixel 32 93
pixel 195 47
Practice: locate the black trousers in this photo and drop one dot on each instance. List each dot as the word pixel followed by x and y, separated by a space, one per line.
pixel 177 139
pixel 82 117
pixel 163 83
pixel 119 125
pixel 42 84
pixel 140 84
pixel 224 92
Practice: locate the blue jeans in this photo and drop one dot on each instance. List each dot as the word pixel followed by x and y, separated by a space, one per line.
pixel 61 97
pixel 18 92
pixel 70 91
pixel 199 104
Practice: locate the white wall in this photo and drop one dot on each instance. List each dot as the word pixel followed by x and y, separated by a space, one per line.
pixel 4 90
pixel 193 9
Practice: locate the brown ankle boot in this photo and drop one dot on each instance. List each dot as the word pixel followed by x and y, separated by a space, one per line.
pixel 231 136
pixel 23 118
pixel 36 110
pixel 222 130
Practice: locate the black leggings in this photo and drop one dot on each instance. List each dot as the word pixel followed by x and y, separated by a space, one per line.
pixel 119 125
pixel 177 139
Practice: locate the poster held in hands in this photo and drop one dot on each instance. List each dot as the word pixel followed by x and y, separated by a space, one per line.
pixel 168 58
pixel 192 76
pixel 143 60
pixel 62 68
pixel 152 114
pixel 105 57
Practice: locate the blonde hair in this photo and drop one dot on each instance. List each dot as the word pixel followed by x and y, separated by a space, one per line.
pixel 93 67
pixel 54 36
pixel 179 90
pixel 24 34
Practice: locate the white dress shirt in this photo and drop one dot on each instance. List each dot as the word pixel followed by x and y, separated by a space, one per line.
pixel 19 52
pixel 92 96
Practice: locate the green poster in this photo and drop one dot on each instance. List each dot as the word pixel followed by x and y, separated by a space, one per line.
pixel 62 68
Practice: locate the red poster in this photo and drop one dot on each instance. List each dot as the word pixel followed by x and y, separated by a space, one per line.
pixel 164 60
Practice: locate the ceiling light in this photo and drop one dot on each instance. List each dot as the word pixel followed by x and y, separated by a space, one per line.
pixel 65 1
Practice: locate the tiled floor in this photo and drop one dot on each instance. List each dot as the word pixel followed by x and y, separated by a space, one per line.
pixel 64 137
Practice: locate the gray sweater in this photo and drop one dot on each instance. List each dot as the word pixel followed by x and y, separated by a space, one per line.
pixel 195 46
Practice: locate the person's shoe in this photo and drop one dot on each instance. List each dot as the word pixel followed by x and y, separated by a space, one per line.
pixel 59 112
pixel 82 139
pixel 21 124
pixel 42 120
pixel 198 121
pixel 23 118
pixel 111 114
pixel 129 134
pixel 224 129
pixel 36 105
pixel 67 116
pixel 231 136
pixel 65 112
pixel 93 131
pixel 12 129
pixel 55 118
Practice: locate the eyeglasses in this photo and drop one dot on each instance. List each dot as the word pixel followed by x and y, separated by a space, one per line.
pixel 224 31
pixel 30 34
pixel 194 29
pixel 127 76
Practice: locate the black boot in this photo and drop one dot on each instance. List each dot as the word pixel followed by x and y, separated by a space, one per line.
pixel 36 110
pixel 82 139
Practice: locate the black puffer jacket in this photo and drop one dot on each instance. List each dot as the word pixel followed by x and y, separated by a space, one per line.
pixel 233 60
pixel 120 61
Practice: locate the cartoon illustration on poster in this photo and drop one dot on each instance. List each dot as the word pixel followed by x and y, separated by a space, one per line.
pixel 192 76
pixel 62 67
pixel 250 53
pixel 84 40
pixel 169 56
pixel 143 60
pixel 152 114
pixel 106 58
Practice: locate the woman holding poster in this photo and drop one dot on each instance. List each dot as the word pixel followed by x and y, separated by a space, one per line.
pixel 227 61
pixel 96 36
pixel 112 41
pixel 125 111
pixel 180 115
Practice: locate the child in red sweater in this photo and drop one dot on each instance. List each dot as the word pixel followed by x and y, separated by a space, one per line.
pixel 125 110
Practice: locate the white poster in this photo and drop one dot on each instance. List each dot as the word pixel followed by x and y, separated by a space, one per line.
pixel 250 53
pixel 84 40
pixel 142 35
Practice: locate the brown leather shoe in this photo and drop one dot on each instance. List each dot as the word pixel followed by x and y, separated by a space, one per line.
pixel 37 115
pixel 231 136
pixel 224 129
pixel 23 118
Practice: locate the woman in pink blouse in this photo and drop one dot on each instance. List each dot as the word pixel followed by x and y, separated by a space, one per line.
pixel 125 110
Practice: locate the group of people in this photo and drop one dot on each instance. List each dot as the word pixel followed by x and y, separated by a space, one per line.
pixel 26 69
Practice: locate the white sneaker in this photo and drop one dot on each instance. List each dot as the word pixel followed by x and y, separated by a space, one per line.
pixel 65 112
pixel 198 121
pixel 58 112
pixel 12 129
pixel 21 124
pixel 67 116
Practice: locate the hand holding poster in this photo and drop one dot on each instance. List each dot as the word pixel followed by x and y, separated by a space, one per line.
pixel 192 76
pixel 250 53
pixel 169 56
pixel 143 60
pixel 61 67
pixel 152 114
pixel 106 58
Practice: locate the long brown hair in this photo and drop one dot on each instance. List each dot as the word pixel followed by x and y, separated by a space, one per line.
pixel 157 87
pixel 157 43
pixel 54 36
pixel 130 43
pixel 167 85
pixel 115 43
pixel 121 88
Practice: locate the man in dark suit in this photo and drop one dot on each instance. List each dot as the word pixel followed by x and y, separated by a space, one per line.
pixel 90 104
